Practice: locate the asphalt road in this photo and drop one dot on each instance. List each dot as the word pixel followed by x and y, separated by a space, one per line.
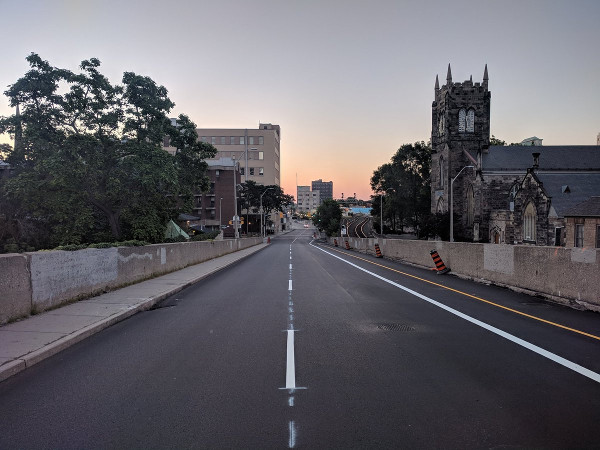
pixel 308 346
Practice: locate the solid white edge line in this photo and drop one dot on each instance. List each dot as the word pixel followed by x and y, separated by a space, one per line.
pixel 292 441
pixel 290 371
pixel 290 285
pixel 534 348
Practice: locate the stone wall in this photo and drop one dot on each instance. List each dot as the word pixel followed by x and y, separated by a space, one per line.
pixel 566 275
pixel 35 282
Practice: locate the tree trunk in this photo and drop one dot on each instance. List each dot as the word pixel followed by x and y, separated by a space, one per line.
pixel 111 216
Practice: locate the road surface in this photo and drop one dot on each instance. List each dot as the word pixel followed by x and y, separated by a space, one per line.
pixel 304 345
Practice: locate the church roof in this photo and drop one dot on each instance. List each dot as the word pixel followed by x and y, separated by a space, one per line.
pixel 588 208
pixel 552 157
pixel 569 189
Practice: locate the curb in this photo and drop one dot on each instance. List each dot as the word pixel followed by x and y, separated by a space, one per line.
pixel 17 365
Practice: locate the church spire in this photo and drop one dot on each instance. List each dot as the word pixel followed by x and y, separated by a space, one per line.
pixel 485 76
pixel 437 83
pixel 449 76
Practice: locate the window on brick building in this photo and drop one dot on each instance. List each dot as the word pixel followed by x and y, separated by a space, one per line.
pixel 261 171
pixel 462 119
pixel 511 196
pixel 529 221
pixel 470 121
pixel 251 170
pixel 261 140
pixel 251 140
pixel 232 140
pixel 578 235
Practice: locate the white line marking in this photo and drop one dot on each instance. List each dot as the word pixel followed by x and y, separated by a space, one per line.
pixel 292 442
pixel 291 400
pixel 534 348
pixel 290 286
pixel 290 266
pixel 290 371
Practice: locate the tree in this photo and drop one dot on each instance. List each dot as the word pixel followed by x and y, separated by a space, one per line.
pixel 89 163
pixel 328 217
pixel 273 198
pixel 405 184
pixel 495 141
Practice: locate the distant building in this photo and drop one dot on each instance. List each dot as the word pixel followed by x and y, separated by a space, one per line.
pixel 324 187
pixel 259 146
pixel 583 224
pixel 307 200
pixel 216 206
pixel 502 194
pixel 532 141
pixel 5 169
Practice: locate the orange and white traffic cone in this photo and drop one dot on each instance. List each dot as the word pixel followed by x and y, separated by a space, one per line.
pixel 439 264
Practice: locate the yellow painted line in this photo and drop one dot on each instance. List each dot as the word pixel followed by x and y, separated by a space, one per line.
pixel 475 297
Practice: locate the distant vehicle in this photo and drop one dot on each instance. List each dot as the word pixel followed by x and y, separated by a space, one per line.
pixel 305 225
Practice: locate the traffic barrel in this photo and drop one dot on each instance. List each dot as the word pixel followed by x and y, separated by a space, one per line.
pixel 378 251
pixel 348 246
pixel 439 264
pixel 335 242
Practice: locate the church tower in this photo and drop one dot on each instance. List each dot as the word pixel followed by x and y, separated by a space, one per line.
pixel 460 131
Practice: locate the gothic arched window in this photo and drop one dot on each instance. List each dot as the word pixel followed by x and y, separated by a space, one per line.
pixel 471 121
pixel 442 171
pixel 462 118
pixel 470 206
pixel 529 220
pixel 440 205
pixel 511 196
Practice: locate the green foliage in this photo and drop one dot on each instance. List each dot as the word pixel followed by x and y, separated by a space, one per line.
pixel 208 236
pixel 328 217
pixel 405 185
pixel 71 247
pixel 495 141
pixel 88 158
pixel 273 197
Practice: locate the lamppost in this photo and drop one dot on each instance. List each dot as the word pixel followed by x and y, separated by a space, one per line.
pixel 262 231
pixel 452 202
pixel 220 222
pixel 236 218
pixel 381 214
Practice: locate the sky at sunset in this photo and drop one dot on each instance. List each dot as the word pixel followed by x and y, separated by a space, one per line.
pixel 348 81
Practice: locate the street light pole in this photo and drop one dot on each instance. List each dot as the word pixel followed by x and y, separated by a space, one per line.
pixel 452 202
pixel 236 219
pixel 381 214
pixel 262 231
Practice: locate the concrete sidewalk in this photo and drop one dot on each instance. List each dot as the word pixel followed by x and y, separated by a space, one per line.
pixel 29 341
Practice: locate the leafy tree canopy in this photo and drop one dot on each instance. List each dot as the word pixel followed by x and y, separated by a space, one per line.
pixel 273 197
pixel 328 217
pixel 405 184
pixel 88 158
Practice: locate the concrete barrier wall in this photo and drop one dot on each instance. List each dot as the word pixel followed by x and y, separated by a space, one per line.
pixel 566 275
pixel 15 287
pixel 34 282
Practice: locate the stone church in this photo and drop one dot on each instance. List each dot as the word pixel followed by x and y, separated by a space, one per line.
pixel 515 194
